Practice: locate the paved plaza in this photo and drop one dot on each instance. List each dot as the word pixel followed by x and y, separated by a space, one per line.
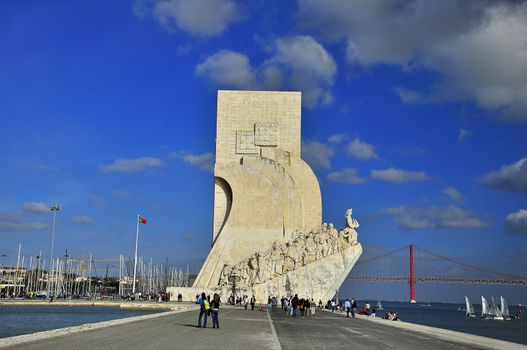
pixel 241 329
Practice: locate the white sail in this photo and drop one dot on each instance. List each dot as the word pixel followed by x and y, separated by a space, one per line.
pixel 379 305
pixel 504 307
pixel 493 309
pixel 469 308
pixel 484 306
pixel 497 311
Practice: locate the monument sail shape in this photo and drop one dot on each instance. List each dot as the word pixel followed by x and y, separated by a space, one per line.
pixel 267 219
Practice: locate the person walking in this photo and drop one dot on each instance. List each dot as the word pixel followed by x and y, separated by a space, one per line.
pixel 353 307
pixel 215 310
pixel 313 307
pixel 347 306
pixel 367 306
pixel 204 307
pixel 253 301
pixel 294 304
pixel 308 307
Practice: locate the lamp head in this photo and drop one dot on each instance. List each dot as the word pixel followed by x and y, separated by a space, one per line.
pixel 55 207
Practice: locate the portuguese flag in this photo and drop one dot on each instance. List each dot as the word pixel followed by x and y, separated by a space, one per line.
pixel 141 220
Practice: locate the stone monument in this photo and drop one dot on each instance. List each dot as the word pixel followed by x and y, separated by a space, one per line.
pixel 267 219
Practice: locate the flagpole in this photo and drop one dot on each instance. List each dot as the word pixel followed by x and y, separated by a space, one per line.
pixel 135 259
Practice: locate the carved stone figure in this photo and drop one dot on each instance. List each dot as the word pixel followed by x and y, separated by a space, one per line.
pixel 258 277
pixel 294 254
pixel 253 268
pixel 334 242
pixel 350 221
pixel 323 245
pixel 311 248
pixel 264 262
pixel 348 234
pixel 224 276
pixel 276 259
pixel 243 271
pixel 289 262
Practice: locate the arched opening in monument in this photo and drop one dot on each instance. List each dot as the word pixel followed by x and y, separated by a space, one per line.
pixel 222 205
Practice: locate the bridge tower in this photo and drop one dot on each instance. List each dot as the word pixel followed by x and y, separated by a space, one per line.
pixel 412 275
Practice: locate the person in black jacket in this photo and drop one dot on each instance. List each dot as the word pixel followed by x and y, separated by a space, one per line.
pixel 294 304
pixel 215 304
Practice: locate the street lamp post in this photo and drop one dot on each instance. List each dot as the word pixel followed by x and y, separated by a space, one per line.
pixel 36 287
pixel 54 208
pixel 234 278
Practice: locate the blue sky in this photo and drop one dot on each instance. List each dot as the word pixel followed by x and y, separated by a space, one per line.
pixel 414 114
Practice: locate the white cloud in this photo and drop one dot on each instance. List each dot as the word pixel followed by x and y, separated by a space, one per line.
pixel 337 138
pixel 12 221
pixel 35 207
pixel 478 48
pixel 361 150
pixel 228 69
pixel 349 176
pixel 203 161
pixel 296 63
pixel 199 17
pixel 464 134
pixel 82 220
pixel 398 176
pixel 317 154
pixel 452 193
pixel 308 67
pixel 124 165
pixel 516 222
pixel 511 178
pixel 409 218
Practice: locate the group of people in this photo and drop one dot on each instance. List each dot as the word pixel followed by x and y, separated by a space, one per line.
pixel 208 307
pixel 295 305
pixel 351 307
pixel 243 300
pixel 392 316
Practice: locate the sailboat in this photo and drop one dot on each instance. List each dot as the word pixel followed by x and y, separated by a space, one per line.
pixel 469 308
pixel 490 311
pixel 505 309
pixel 496 313
pixel 379 306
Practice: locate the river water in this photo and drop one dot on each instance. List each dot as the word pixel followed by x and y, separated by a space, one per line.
pixel 17 320
pixel 445 315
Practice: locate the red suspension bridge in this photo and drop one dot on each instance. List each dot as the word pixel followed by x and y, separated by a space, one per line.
pixel 412 264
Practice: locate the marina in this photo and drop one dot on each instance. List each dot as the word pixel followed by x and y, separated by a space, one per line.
pixel 87 277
